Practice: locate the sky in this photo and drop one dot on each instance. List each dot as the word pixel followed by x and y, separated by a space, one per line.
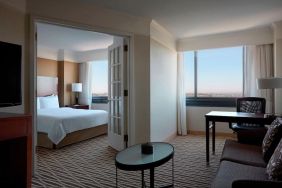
pixel 219 70
pixel 100 76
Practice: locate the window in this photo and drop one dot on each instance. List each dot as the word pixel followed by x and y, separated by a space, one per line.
pixel 100 81
pixel 214 77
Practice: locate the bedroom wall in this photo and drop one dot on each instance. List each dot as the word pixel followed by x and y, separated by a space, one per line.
pixel 70 76
pixel 47 67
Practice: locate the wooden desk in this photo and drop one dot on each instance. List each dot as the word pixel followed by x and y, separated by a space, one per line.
pixel 16 150
pixel 231 117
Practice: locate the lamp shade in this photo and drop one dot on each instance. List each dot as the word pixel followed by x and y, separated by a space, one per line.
pixel 269 83
pixel 76 87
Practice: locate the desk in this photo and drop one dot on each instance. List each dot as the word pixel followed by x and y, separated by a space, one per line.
pixel 231 117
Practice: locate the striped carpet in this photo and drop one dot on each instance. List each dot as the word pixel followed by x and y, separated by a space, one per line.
pixel 91 164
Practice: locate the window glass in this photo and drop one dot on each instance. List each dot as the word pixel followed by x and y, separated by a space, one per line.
pixel 189 73
pixel 100 78
pixel 220 72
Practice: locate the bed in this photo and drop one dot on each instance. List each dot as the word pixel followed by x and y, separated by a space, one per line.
pixel 58 127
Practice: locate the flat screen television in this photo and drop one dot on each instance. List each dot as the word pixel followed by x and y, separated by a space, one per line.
pixel 10 74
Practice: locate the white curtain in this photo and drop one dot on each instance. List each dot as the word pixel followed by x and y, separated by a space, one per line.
pixel 258 64
pixel 85 77
pixel 181 98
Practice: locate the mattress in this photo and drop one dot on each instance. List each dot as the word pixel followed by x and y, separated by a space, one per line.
pixel 58 122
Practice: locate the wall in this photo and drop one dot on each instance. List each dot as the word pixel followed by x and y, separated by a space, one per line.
pixel 70 76
pixel 260 35
pixel 195 118
pixel 86 15
pixel 277 27
pixel 163 83
pixel 47 67
pixel 163 71
pixel 13 30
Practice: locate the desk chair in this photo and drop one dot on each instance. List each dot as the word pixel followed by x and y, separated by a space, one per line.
pixel 246 131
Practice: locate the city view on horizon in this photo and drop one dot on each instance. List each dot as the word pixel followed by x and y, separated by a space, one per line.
pixel 219 72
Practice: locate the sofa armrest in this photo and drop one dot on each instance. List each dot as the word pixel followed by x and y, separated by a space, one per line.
pixel 256 183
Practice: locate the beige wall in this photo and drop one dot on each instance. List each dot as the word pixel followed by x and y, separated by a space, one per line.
pixel 67 73
pixel 260 35
pixel 195 119
pixel 47 67
pixel 70 76
pixel 13 29
pixel 163 83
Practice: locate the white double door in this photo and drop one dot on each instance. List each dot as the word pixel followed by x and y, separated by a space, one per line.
pixel 118 93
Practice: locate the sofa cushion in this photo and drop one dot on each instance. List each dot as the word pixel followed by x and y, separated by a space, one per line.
pixel 272 138
pixel 242 153
pixel 274 166
pixel 229 171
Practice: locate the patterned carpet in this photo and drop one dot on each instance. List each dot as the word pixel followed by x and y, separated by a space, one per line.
pixel 91 164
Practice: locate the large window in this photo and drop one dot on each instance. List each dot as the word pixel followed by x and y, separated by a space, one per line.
pixel 100 81
pixel 214 77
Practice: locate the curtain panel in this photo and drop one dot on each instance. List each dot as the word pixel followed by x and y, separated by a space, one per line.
pixel 85 77
pixel 258 64
pixel 181 97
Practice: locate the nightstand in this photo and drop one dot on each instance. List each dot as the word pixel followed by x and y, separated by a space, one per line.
pixel 79 106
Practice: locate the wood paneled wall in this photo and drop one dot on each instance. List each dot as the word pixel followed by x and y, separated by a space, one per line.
pixel 47 67
pixel 67 73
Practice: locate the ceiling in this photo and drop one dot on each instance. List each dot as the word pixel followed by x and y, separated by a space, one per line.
pixel 64 38
pixel 188 18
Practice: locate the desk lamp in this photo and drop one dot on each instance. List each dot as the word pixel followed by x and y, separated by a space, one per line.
pixel 269 83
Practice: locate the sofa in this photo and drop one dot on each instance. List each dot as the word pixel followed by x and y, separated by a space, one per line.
pixel 243 165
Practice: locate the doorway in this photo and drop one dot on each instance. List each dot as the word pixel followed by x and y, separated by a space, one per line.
pixel 62 56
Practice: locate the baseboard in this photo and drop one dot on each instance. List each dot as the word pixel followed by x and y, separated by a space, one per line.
pixel 170 137
pixel 217 134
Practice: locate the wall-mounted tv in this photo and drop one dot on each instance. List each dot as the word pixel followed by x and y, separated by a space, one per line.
pixel 10 74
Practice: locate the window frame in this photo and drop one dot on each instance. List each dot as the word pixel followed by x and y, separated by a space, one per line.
pixel 211 101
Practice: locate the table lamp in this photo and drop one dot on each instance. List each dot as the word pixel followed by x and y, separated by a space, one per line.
pixel 76 88
pixel 269 83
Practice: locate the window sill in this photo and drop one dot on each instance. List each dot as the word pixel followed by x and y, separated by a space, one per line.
pixel 211 102
pixel 100 100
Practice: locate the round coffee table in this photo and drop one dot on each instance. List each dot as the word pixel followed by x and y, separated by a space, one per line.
pixel 131 159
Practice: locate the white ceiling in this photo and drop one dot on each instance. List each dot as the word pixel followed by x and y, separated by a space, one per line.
pixel 63 38
pixel 188 18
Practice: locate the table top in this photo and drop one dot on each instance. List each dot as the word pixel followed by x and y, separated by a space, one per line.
pixel 236 114
pixel 131 158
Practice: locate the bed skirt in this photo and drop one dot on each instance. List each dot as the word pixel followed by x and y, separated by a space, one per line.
pixel 71 138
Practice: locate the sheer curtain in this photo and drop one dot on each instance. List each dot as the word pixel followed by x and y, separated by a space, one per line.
pixel 258 64
pixel 85 77
pixel 181 98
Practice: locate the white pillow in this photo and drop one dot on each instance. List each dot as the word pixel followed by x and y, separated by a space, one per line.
pixel 38 103
pixel 49 102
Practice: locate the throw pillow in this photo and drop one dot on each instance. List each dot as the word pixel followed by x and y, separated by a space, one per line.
pixel 272 138
pixel 274 166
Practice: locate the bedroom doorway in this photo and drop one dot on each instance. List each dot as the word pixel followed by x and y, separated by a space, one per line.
pixel 58 83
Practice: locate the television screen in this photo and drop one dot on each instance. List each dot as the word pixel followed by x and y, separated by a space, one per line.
pixel 10 75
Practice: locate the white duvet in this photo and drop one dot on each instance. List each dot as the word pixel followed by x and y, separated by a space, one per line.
pixel 58 122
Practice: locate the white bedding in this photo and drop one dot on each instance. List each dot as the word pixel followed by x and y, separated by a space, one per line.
pixel 58 122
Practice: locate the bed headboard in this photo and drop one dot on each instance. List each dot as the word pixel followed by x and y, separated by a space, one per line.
pixel 47 85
